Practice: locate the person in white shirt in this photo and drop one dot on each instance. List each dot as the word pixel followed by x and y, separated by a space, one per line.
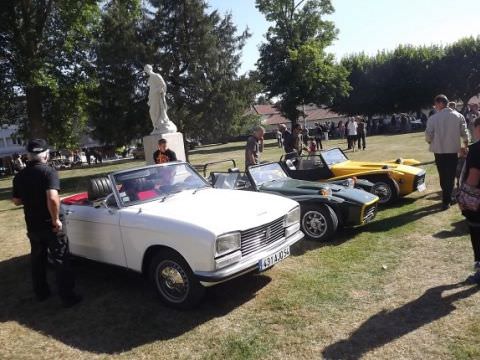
pixel 352 133
pixel 444 130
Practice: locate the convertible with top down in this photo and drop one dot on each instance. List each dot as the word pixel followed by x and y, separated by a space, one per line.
pixel 392 179
pixel 324 206
pixel 166 221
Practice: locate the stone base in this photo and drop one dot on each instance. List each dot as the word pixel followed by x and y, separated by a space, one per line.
pixel 174 142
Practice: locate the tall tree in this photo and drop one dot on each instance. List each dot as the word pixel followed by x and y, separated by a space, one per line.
pixel 46 47
pixel 402 80
pixel 119 111
pixel 461 69
pixel 198 54
pixel 293 64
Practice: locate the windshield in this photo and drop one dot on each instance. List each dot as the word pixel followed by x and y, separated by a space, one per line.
pixel 156 182
pixel 267 173
pixel 334 156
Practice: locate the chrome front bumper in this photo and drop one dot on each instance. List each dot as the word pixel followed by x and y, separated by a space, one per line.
pixel 245 265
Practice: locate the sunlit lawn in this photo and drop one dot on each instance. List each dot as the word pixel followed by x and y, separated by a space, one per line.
pixel 389 290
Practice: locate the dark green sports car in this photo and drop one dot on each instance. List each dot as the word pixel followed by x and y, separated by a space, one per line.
pixel 324 206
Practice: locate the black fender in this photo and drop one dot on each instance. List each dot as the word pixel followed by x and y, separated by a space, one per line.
pixel 334 202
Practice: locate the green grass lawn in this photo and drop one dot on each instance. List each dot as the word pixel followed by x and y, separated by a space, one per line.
pixel 389 290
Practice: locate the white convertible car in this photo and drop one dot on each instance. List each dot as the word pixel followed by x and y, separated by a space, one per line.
pixel 168 222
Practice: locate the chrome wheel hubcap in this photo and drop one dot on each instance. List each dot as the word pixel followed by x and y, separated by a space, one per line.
pixel 383 191
pixel 172 281
pixel 314 224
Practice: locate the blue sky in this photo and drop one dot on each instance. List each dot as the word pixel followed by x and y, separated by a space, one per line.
pixel 371 25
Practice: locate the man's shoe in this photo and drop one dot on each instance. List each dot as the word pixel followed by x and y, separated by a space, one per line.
pixel 43 296
pixel 71 300
pixel 445 207
pixel 474 278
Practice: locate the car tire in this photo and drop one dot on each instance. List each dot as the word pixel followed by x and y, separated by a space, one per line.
pixel 318 222
pixel 386 190
pixel 177 287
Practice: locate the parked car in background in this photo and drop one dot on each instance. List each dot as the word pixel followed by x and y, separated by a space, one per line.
pixel 324 206
pixel 392 178
pixel 139 153
pixel 166 221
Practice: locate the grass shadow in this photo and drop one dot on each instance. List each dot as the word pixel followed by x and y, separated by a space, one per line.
pixel 402 219
pixel 460 228
pixel 119 312
pixel 387 326
pixel 379 225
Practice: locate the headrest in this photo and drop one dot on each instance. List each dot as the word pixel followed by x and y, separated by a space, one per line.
pixel 99 188
pixel 290 165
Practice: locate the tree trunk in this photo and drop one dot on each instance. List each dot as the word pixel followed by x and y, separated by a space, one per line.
pixel 35 127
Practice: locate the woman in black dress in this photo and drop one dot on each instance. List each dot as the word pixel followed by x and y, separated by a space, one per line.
pixel 472 178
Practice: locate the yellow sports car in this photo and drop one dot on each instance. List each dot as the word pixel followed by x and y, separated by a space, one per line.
pixel 392 179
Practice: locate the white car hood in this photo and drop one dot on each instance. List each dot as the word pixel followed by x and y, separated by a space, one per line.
pixel 218 210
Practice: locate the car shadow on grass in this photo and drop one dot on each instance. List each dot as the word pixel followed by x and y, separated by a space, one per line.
pixel 387 326
pixel 119 311
pixel 379 225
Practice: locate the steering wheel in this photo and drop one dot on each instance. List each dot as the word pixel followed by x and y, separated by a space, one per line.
pixel 170 188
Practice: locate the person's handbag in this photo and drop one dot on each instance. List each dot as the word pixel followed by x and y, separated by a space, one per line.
pixel 468 197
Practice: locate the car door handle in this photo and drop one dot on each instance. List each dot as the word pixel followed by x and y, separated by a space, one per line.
pixel 68 212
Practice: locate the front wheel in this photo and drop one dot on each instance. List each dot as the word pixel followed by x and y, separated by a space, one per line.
pixel 319 222
pixel 386 191
pixel 174 281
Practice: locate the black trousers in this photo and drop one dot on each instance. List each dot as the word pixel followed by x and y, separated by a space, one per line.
pixel 57 246
pixel 447 168
pixel 361 137
pixel 351 139
pixel 475 237
pixel 318 141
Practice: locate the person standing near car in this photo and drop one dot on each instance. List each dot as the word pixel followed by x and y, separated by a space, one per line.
pixel 163 154
pixel 288 140
pixel 444 130
pixel 352 134
pixel 254 147
pixel 318 136
pixel 472 178
pixel 36 188
pixel 362 133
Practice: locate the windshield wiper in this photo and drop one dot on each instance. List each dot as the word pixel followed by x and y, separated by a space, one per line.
pixel 170 194
pixel 201 188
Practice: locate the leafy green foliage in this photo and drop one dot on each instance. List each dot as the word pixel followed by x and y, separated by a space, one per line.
pixel 408 78
pixel 119 111
pixel 45 45
pixel 198 54
pixel 293 64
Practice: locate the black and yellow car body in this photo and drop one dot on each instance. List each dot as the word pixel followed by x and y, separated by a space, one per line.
pixel 324 206
pixel 392 179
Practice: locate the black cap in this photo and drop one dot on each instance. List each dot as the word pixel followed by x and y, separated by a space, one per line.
pixel 37 146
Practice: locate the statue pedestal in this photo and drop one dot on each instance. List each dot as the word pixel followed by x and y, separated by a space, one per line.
pixel 174 142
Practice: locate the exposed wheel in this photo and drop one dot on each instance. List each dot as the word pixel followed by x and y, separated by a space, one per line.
pixel 318 222
pixel 386 191
pixel 174 280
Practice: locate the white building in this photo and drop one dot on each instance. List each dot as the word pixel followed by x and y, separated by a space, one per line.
pixel 10 143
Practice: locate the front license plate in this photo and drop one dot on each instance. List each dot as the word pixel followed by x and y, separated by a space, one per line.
pixel 422 187
pixel 271 260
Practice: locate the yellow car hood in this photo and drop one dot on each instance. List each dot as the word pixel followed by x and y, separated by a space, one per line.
pixel 366 166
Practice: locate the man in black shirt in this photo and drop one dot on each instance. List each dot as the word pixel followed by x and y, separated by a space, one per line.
pixel 36 188
pixel 163 155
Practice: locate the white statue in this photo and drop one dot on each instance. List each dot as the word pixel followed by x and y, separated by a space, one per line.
pixel 158 104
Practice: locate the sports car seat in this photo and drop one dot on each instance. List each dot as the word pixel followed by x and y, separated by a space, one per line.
pixel 99 188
